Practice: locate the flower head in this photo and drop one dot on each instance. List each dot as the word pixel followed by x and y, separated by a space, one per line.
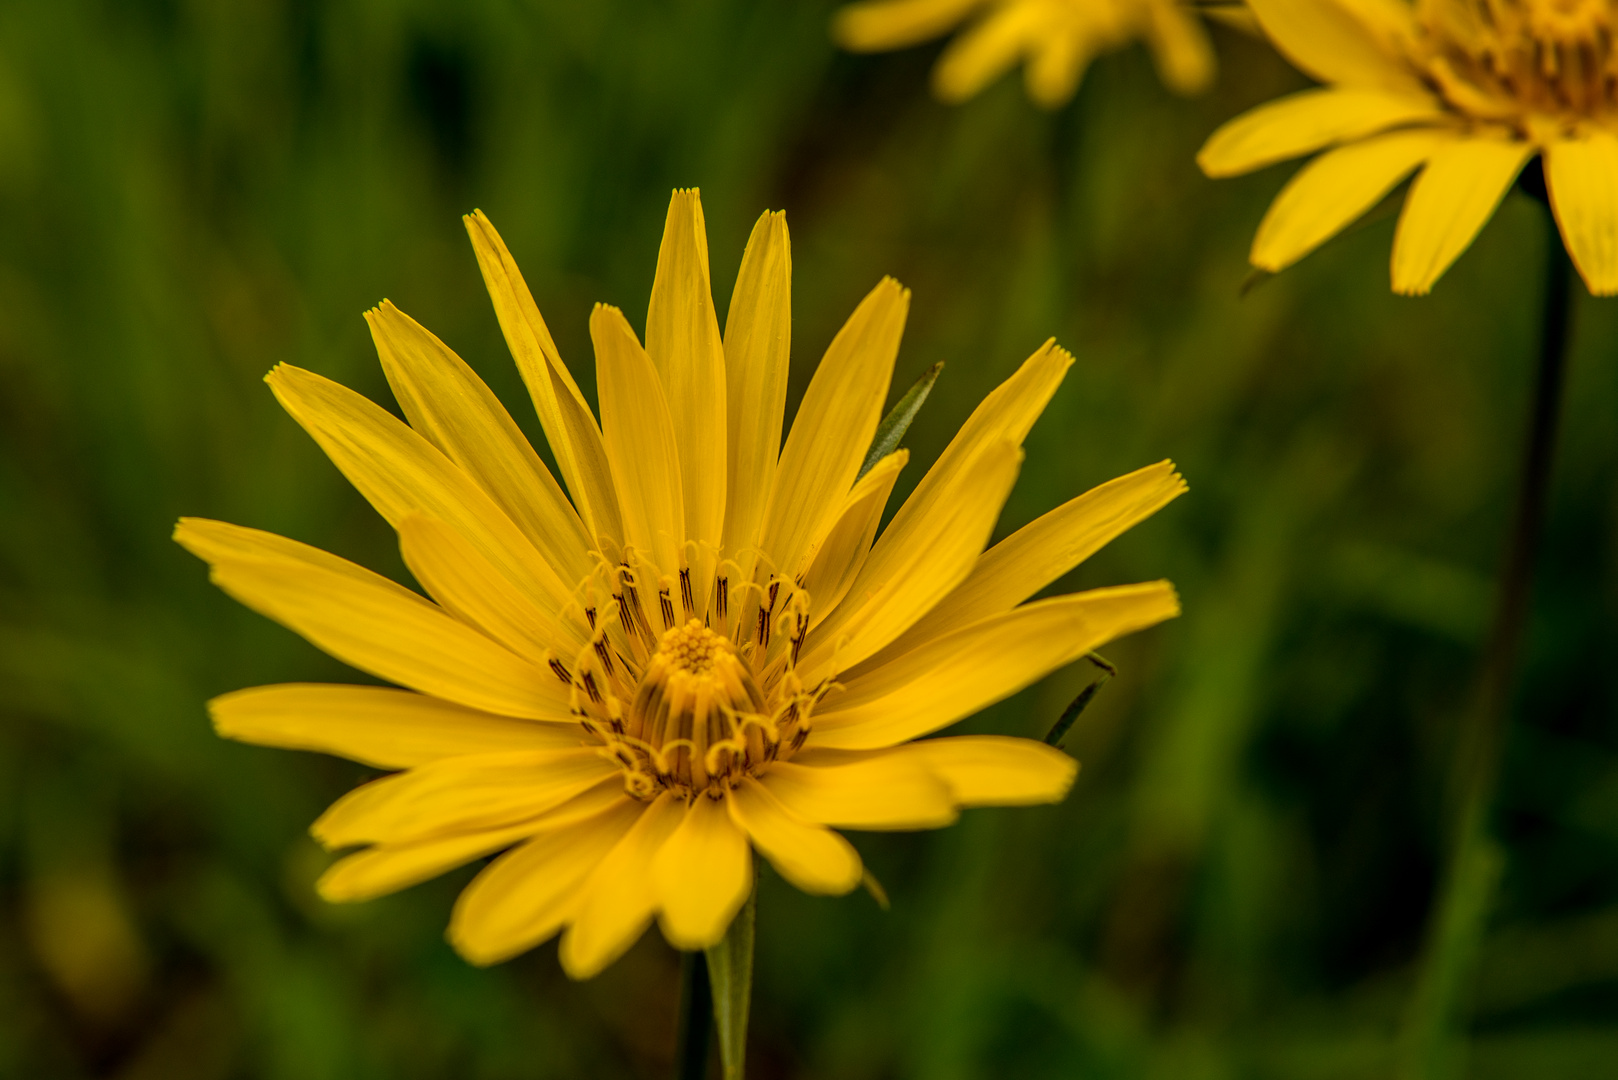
pixel 701 652
pixel 1467 92
pixel 1057 39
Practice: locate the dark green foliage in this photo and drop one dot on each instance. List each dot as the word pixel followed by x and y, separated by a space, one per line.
pixel 191 192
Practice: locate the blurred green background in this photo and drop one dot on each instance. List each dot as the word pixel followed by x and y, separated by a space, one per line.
pixel 191 192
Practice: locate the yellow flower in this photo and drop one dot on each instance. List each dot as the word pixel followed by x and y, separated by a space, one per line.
pixel 702 652
pixel 1057 38
pixel 1467 91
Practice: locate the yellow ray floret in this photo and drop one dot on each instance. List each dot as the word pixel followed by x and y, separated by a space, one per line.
pixel 1462 94
pixel 1054 39
pixel 698 644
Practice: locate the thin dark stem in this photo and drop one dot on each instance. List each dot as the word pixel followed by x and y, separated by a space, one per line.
pixel 1478 762
pixel 1466 891
pixel 696 1018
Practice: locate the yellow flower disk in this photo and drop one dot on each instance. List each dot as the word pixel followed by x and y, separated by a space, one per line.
pixel 1462 93
pixel 701 648
pixel 1056 39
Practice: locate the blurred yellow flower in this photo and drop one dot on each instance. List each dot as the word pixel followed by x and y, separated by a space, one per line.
pixel 1056 38
pixel 1467 91
pixel 703 652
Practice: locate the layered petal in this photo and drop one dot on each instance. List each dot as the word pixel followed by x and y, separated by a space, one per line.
pixel 931 543
pixel 683 345
pixel 861 791
pixel 466 584
pixel 979 55
pixel 618 900
pixel 842 553
pixel 992 770
pixel 834 426
pixel 964 672
pixel 540 365
pixel 758 339
pixel 1180 47
pixel 401 473
pixel 812 857
pixel 901 582
pixel 1304 122
pixel 1582 178
pixel 459 794
pixel 375 725
pixel 639 435
pixel 1449 202
pixel 702 876
pixel 387 868
pixel 1039 553
pixel 525 896
pixel 1325 39
pixel 876 25
pixel 1337 187
pixel 365 620
pixel 452 408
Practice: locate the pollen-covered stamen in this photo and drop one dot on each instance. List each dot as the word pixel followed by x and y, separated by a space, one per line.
pixel 694 709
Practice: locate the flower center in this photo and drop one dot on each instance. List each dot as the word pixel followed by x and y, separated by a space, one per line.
pixel 693 709
pixel 1529 63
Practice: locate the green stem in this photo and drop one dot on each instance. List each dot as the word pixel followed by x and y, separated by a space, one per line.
pixel 1429 1048
pixel 730 968
pixel 696 1007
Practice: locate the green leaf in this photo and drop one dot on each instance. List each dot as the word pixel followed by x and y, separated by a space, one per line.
pixel 730 971
pixel 897 422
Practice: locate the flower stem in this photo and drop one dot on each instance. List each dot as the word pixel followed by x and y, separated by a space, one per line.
pixel 696 1018
pixel 730 970
pixel 1429 1048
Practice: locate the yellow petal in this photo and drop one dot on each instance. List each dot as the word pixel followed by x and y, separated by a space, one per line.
pixel 866 791
pixel 1334 189
pixel 617 902
pixel 467 586
pixel 902 582
pixel 593 469
pixel 1449 202
pixel 220 541
pixel 452 408
pixel 834 426
pixel 1304 122
pixel 538 361
pixel 524 897
pixel 758 340
pixel 1582 177
pixel 928 547
pixel 982 53
pixel 387 868
pixel 639 436
pixel 702 876
pixel 1058 63
pixel 1325 40
pixel 1039 553
pixel 843 552
pixel 812 857
pixel 682 342
pixel 961 673
pixel 878 25
pixel 402 473
pixel 1180 48
pixel 365 620
pixel 375 725
pixel 459 794
pixel 992 770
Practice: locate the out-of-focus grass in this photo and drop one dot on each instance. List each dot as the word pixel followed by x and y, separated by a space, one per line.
pixel 191 192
